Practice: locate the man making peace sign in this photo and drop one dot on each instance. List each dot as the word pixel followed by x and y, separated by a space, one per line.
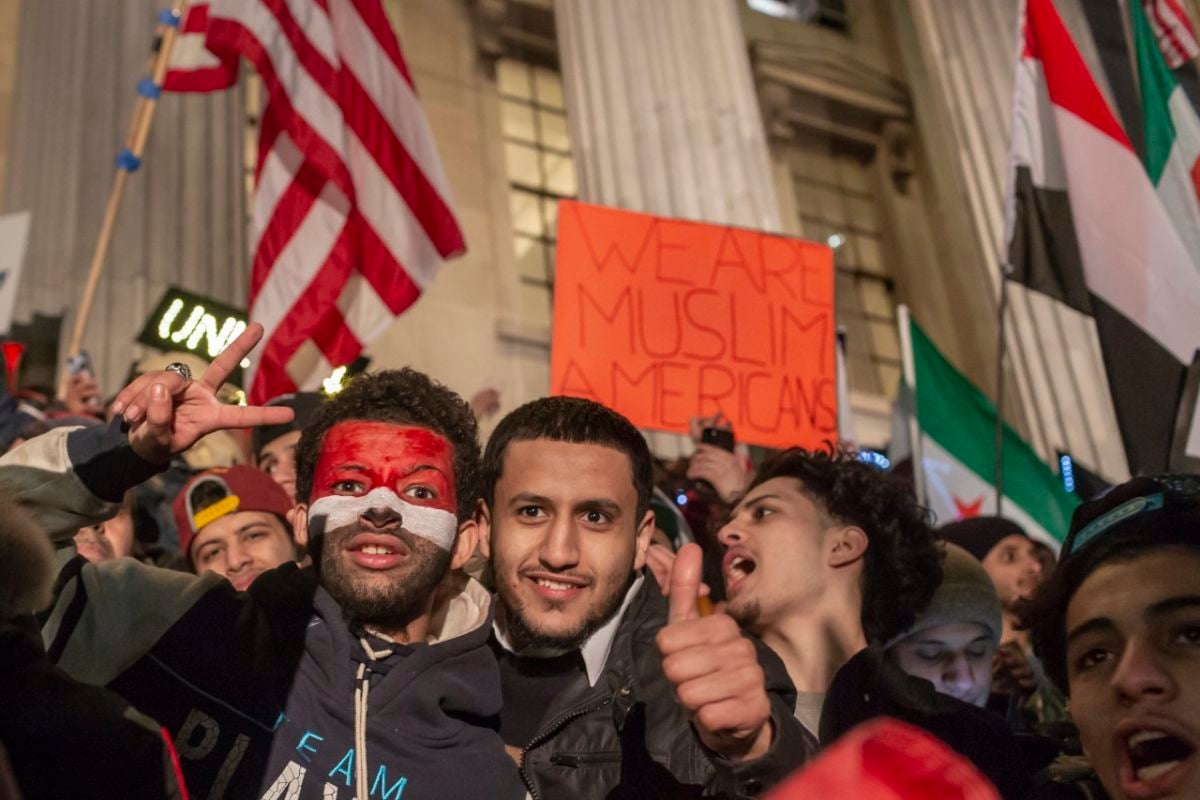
pixel 358 678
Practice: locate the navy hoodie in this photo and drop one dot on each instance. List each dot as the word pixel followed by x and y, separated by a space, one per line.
pixel 261 690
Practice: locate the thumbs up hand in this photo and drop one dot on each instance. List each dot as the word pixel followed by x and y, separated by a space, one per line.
pixel 714 669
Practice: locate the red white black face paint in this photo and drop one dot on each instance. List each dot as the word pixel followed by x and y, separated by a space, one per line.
pixel 415 462
pixel 432 524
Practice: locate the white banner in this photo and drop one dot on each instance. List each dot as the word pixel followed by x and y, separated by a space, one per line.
pixel 14 236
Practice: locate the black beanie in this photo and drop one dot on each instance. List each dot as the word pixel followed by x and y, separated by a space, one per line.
pixel 978 535
pixel 305 404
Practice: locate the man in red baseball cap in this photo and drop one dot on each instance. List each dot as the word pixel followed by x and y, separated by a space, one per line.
pixel 233 521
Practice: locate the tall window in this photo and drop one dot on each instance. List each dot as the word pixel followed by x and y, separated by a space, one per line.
pixel 541 171
pixel 833 182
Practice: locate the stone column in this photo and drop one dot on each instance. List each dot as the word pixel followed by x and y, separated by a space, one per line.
pixel 663 115
pixel 662 109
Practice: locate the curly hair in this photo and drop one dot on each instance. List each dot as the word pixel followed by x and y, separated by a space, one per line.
pixel 902 566
pixel 401 397
pixel 574 420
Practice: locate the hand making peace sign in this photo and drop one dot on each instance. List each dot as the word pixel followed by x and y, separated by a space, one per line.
pixel 167 414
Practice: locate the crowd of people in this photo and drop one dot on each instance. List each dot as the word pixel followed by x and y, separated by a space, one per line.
pixel 367 603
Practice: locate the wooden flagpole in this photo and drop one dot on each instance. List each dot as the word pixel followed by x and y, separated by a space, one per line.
pixel 127 161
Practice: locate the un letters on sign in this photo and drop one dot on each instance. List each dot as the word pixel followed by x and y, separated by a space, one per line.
pixel 664 319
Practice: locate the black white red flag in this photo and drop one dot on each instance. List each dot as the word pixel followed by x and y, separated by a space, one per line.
pixel 1109 231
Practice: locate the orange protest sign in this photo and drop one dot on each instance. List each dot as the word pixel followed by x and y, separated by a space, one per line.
pixel 664 320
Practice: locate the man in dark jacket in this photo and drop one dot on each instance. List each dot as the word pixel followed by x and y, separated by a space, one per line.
pixel 608 690
pixel 362 678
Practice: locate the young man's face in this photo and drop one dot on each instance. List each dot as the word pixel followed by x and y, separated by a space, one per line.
pixel 383 503
pixel 1014 567
pixel 956 658
pixel 278 459
pixel 241 546
pixel 775 556
pixel 1133 665
pixel 564 539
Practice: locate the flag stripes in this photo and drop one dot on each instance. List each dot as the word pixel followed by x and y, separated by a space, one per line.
pixel 1173 30
pixel 1090 228
pixel 351 215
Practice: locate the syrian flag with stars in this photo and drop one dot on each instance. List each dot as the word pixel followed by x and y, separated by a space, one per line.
pixel 957 426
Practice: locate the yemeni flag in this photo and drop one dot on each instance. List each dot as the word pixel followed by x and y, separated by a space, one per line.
pixel 1088 227
pixel 957 427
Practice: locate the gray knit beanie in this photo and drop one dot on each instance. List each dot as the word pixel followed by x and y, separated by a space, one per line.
pixel 966 594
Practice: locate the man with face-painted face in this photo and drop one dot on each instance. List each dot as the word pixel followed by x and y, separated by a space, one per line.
pixel 609 689
pixel 369 676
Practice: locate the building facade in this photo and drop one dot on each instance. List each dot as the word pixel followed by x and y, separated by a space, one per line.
pixel 877 126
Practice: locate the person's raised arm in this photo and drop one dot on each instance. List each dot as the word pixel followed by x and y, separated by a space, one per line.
pixel 73 477
pixel 108 615
pixel 167 413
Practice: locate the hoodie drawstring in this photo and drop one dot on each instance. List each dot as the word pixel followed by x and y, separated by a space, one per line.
pixel 361 691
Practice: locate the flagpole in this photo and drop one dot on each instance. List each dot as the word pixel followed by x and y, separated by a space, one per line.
pixel 1001 339
pixel 910 379
pixel 128 160
pixel 1010 221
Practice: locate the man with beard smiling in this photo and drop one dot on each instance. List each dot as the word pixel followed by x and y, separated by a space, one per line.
pixel 609 691
pixel 1118 628
pixel 364 678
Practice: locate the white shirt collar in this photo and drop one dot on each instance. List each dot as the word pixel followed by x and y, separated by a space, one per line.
pixel 597 647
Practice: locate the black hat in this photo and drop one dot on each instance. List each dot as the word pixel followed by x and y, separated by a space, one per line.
pixel 978 535
pixel 1143 513
pixel 1143 508
pixel 305 404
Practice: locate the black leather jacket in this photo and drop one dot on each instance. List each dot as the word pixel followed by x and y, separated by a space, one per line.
pixel 628 736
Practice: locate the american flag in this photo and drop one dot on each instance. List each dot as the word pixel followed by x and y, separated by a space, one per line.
pixel 351 213
pixel 1174 31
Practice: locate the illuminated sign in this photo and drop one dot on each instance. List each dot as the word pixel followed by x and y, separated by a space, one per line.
pixel 195 324
pixel 189 322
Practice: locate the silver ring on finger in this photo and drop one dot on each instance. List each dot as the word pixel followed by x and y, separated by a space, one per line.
pixel 180 369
